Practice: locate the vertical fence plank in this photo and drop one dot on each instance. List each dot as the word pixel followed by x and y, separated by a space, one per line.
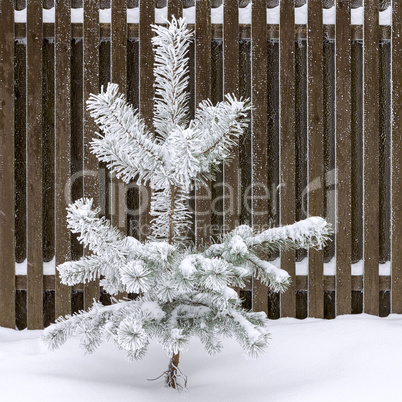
pixel 287 146
pixel 118 63
pixel 343 159
pixel 231 85
pixel 174 7
pixel 301 129
pixel 217 187
pixel 396 249
pixel 371 158
pixel 146 96
pixel 315 152
pixel 385 150
pixel 48 156
pixel 20 149
pixel 133 98
pixel 329 142
pixel 356 127
pixel 91 85
pixel 260 205
pixel 34 164
pixel 77 132
pixel 245 141
pixel 202 91
pixel 7 242
pixel 63 147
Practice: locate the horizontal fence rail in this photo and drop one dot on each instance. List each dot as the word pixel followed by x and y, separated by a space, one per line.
pixel 324 139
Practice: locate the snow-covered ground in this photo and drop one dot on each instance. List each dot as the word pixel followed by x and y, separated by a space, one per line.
pixel 351 358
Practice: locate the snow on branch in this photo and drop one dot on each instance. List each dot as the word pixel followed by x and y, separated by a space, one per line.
pixel 171 72
pixel 97 233
pixel 125 144
pixel 84 270
pixel 219 126
pixel 311 232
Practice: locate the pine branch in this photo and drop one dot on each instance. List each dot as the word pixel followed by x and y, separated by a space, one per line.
pixel 311 232
pixel 127 147
pixel 84 270
pixel 171 72
pixel 220 126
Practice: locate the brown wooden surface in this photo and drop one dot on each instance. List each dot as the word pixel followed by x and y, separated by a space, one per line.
pixel 357 116
pixel 20 148
pixel 48 148
pixel 175 7
pixel 315 152
pixel 202 92
pixel 287 145
pixel 7 240
pixel 396 253
pixel 343 160
pixel 34 164
pixel 371 158
pixel 231 86
pixel 63 148
pixel 119 76
pixel 259 132
pixel 91 85
pixel 146 96
pixel 118 63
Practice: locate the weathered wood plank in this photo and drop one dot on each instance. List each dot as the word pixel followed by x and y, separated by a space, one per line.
pixel 77 133
pixel 260 202
pixel 315 152
pixel 217 187
pixel 396 186
pixel 343 158
pixel 174 7
pixel 329 141
pixel 147 17
pixel 48 148
pixel 287 146
pixel 63 148
pixel 7 212
pixel 133 97
pixel 91 85
pixel 20 149
pixel 273 71
pixel 371 158
pixel 357 113
pixel 118 63
pixel 202 92
pixel 231 85
pixel 119 76
pixel 34 164
pixel 385 90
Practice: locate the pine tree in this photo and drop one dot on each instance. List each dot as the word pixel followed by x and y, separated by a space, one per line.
pixel 182 291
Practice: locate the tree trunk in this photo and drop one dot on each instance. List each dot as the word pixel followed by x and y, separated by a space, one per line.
pixel 171 376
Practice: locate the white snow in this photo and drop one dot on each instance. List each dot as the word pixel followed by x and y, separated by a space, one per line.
pixel 77 15
pixel 351 358
pixel 49 268
pixel 187 268
pixel 357 269
pixel 328 16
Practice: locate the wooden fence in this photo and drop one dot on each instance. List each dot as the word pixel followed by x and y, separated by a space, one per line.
pixel 325 139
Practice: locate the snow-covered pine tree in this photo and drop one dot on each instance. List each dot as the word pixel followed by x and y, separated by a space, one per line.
pixel 182 291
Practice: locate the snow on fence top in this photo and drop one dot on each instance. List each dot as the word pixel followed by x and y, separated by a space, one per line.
pixel 77 15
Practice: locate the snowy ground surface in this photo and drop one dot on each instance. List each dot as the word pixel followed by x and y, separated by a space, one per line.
pixel 351 358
